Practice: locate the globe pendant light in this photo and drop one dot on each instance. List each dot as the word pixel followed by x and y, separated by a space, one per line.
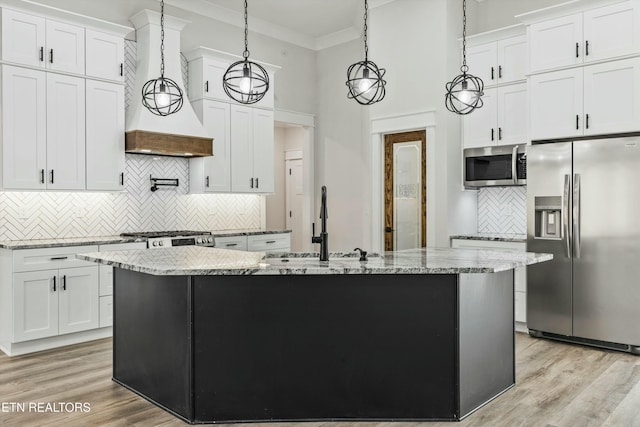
pixel 246 81
pixel 465 91
pixel 162 96
pixel 364 79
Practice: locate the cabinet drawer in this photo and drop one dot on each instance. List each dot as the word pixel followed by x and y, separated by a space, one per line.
pixel 269 242
pixel 106 311
pixel 236 243
pixel 50 258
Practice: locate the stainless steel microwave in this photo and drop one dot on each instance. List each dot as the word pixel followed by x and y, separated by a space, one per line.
pixel 495 166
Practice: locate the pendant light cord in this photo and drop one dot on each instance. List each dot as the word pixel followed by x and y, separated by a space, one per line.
pixel 366 46
pixel 464 67
pixel 162 39
pixel 245 54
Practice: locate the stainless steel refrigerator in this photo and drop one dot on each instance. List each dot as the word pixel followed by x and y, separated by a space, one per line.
pixel 583 206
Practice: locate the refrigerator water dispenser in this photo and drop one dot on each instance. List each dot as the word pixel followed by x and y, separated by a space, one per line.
pixel 548 220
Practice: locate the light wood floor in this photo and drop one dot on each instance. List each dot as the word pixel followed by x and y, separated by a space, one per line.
pixel 557 385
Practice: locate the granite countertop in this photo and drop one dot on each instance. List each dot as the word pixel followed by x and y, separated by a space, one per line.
pixel 193 260
pixel 496 237
pixel 105 240
pixel 71 241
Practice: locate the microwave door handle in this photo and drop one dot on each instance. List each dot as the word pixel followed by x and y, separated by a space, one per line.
pixel 565 214
pixel 514 165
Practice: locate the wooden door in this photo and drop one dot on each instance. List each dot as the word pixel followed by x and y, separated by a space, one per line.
pixel 405 190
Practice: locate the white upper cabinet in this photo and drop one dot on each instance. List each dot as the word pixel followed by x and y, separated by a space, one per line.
pixel 65 132
pixel 502 61
pixel 612 97
pixel 23 38
pixel 556 104
pixel 205 79
pixel 24 128
pixel 213 173
pixel 263 150
pixel 242 177
pixel 503 119
pixel 64 47
pixel 602 33
pixel 105 135
pixel 104 56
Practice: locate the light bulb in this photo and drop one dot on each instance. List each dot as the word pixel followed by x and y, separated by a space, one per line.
pixel 364 84
pixel 465 96
pixel 162 99
pixel 245 85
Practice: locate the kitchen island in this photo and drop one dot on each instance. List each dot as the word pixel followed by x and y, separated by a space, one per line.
pixel 222 336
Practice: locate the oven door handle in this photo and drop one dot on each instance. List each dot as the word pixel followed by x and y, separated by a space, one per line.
pixel 514 165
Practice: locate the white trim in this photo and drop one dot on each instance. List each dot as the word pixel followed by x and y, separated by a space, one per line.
pixel 206 52
pixel 563 9
pixel 295 118
pixel 26 347
pixel 337 38
pixel 495 35
pixel 396 124
pixel 293 155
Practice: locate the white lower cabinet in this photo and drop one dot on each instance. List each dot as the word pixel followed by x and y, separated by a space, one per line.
pixel 236 243
pixel 278 242
pixel 519 277
pixel 54 302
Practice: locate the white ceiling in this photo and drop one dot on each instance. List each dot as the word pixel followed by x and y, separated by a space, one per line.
pixel 314 24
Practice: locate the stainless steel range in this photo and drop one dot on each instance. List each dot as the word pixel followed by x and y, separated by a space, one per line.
pixel 165 239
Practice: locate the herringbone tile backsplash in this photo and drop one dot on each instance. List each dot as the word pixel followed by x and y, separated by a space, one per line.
pixel 43 215
pixel 502 210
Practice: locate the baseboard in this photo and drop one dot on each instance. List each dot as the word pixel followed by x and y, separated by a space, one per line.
pixel 18 349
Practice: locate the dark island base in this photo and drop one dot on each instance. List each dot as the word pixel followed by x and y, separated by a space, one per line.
pixel 328 347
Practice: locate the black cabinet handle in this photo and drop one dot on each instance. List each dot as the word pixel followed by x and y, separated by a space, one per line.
pixel 586 47
pixel 207 182
pixel 121 69
pixel 577 50
pixel 64 283
pixel 41 53
pixel 230 245
pixel 499 134
pixel 587 122
pixel 41 176
pixel 577 122
pixel 206 86
pixel 499 71
pixel 257 183
pixel 492 73
pixel 52 176
pixel 121 178
pixel 54 283
pixel 251 182
pixel 270 242
pixel 51 56
pixel 492 134
pixel 58 258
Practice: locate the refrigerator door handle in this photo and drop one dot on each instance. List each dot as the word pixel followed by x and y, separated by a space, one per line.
pixel 514 165
pixel 576 215
pixel 565 213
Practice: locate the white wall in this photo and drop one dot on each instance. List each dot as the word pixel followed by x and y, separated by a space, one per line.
pixel 298 64
pixel 341 154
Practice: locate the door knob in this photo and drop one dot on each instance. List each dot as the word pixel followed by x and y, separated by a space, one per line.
pixel 388 230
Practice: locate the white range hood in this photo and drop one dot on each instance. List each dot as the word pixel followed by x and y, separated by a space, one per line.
pixel 181 133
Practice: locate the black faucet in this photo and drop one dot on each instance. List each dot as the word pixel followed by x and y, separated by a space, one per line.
pixel 323 238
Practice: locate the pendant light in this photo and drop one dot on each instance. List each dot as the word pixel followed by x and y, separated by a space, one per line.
pixel 246 81
pixel 465 91
pixel 162 96
pixel 364 79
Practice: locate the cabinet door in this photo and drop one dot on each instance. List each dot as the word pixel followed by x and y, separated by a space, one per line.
pixel 482 61
pixel 105 274
pixel 611 97
pixel 78 299
pixel 104 56
pixel 481 126
pixel 65 47
pixel 105 135
pixel 611 31
pixel 106 311
pixel 242 178
pixel 512 59
pixel 513 114
pixel 23 38
pixel 65 132
pixel 35 305
pixel 556 104
pixel 213 72
pixel 263 150
pixel 217 168
pixel 24 128
pixel 555 43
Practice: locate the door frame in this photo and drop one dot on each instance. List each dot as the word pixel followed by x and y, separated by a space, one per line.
pixel 389 141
